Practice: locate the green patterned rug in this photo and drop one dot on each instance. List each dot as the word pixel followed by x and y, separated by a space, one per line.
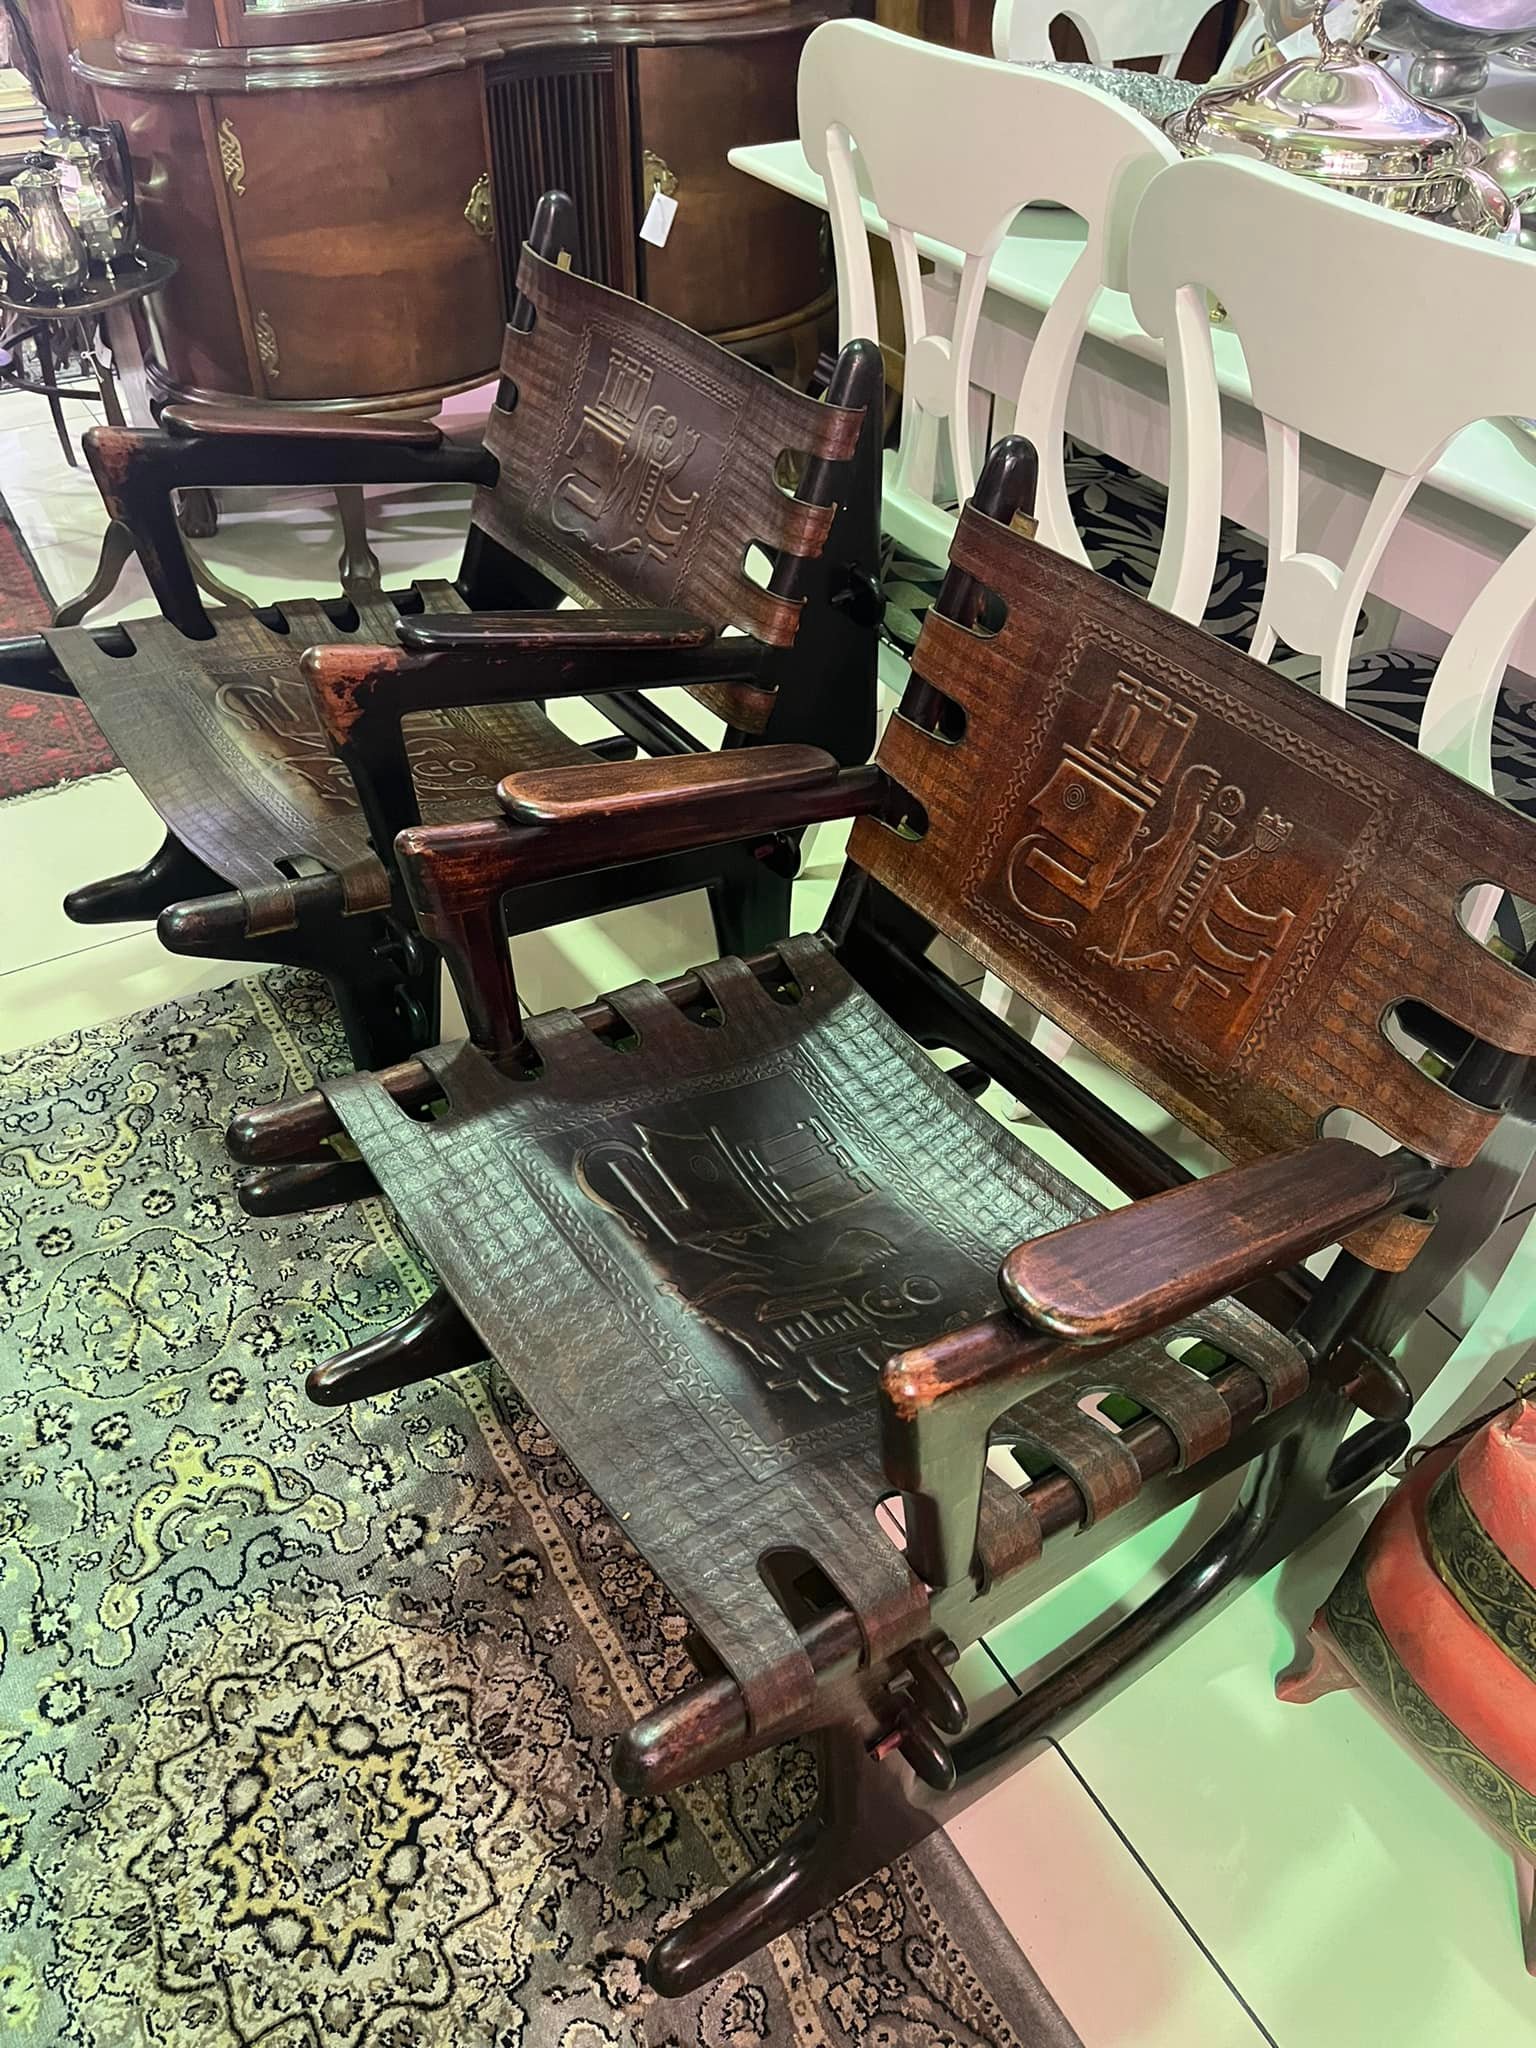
pixel 304 1715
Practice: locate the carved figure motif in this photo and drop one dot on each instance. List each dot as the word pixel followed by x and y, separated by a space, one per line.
pixel 626 454
pixel 764 1237
pixel 1151 866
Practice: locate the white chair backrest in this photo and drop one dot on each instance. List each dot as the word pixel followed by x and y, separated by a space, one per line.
pixel 1377 335
pixel 950 148
pixel 1112 30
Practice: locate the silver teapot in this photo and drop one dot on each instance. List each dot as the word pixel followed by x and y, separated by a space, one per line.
pixel 1450 42
pixel 43 250
pixel 96 186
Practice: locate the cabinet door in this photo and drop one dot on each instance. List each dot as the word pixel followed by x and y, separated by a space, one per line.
pixel 739 252
pixel 195 320
pixel 362 277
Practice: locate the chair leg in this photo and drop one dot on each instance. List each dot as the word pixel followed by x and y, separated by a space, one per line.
pixel 385 983
pixel 750 905
pixel 117 551
pixel 168 877
pixel 434 1339
pixel 1296 1486
pixel 388 996
pixel 861 1822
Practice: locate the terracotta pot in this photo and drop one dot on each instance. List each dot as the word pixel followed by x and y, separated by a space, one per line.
pixel 1435 1618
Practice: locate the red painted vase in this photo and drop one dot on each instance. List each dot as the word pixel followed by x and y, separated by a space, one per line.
pixel 1435 1618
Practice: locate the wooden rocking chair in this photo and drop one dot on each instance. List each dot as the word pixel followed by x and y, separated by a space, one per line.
pixel 757 1262
pixel 628 463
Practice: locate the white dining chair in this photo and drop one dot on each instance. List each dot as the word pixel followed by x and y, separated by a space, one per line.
pixel 1363 331
pixel 1113 31
pixel 1382 338
pixel 950 148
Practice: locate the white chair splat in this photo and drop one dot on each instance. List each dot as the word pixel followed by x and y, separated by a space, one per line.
pixel 1383 338
pixel 1370 333
pixel 1112 30
pixel 949 149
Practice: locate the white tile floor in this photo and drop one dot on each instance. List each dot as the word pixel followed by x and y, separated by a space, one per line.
pixel 1191 1867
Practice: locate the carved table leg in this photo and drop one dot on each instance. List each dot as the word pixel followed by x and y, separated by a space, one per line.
pixel 42 341
pixel 215 587
pixel 197 514
pixel 106 383
pixel 117 550
pixel 361 576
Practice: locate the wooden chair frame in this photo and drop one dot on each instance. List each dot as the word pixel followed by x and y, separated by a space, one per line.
pixel 803 668
pixel 1283 1406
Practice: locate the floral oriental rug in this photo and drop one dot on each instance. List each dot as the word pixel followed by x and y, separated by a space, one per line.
pixel 43 740
pixel 304 1715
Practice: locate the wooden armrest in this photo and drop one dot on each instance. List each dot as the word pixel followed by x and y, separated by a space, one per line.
pixel 138 470
pixel 1138 1269
pixel 249 422
pixel 628 789
pixel 456 876
pixel 455 871
pixel 1101 1284
pixel 571 632
pixel 361 692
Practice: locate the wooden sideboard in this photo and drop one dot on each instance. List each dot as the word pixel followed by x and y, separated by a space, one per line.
pixel 345 183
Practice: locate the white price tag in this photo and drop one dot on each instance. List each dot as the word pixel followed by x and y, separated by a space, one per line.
pixel 659 217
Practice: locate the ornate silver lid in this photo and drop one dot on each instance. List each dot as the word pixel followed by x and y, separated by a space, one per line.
pixel 1341 118
pixel 1334 114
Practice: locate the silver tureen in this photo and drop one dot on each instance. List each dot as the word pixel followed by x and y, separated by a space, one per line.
pixel 1342 119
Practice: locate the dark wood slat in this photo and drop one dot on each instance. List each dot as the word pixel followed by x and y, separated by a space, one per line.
pixel 1140 1268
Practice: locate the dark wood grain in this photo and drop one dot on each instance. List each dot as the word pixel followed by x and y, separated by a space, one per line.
pixel 456 880
pixel 578 631
pixel 365 277
pixel 1140 1268
pixel 246 422
pixel 742 252
pixel 620 791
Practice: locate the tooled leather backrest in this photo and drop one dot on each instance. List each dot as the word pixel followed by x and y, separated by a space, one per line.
pixel 1218 882
pixel 638 459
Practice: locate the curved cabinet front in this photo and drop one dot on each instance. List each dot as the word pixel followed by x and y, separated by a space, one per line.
pixel 322 233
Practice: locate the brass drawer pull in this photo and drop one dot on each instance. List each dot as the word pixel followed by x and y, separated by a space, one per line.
pixel 656 175
pixel 266 343
pixel 479 209
pixel 231 157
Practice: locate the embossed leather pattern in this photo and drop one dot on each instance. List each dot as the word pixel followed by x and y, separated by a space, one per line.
pixel 1214 879
pixel 693 1255
pixel 637 465
pixel 222 738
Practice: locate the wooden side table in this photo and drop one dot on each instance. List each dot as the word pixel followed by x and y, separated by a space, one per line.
pixel 103 309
